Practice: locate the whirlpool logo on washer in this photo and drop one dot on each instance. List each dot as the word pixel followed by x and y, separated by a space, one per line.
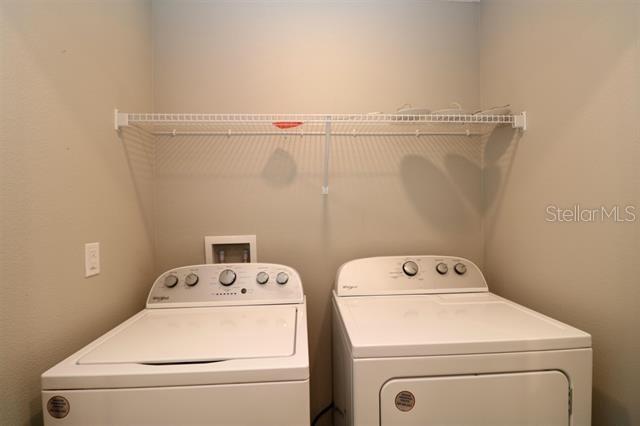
pixel 405 401
pixel 160 298
pixel 349 286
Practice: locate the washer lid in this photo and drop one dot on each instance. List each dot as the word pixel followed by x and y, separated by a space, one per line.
pixel 193 335
pixel 447 324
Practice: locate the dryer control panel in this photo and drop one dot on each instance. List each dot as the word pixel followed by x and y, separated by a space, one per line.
pixel 226 284
pixel 409 275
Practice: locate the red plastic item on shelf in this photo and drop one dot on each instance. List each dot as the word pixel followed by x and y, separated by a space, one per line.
pixel 287 124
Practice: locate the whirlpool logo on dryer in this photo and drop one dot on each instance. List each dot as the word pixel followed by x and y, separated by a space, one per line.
pixel 160 298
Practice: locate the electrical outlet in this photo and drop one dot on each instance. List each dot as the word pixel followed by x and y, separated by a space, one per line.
pixel 91 259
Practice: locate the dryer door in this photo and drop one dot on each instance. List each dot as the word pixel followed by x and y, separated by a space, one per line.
pixel 528 398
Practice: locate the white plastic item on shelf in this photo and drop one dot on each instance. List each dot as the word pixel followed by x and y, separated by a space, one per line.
pixel 499 110
pixel 454 109
pixel 408 114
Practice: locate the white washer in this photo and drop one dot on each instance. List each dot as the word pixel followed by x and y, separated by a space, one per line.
pixel 216 344
pixel 420 340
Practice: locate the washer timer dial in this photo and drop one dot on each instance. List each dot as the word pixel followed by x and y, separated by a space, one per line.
pixel 262 277
pixel 191 279
pixel 227 277
pixel 171 281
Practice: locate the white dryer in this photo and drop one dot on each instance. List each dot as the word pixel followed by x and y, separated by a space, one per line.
pixel 420 340
pixel 216 344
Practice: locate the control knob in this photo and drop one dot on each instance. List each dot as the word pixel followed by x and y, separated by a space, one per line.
pixel 262 277
pixel 442 268
pixel 460 268
pixel 191 279
pixel 410 268
pixel 282 278
pixel 170 281
pixel 227 277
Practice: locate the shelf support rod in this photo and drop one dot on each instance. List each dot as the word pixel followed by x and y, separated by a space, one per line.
pixel 327 155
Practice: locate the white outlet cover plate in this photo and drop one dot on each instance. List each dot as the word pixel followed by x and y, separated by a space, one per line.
pixel 91 259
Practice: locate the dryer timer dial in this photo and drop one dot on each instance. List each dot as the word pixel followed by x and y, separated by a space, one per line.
pixel 460 268
pixel 410 268
pixel 282 278
pixel 442 268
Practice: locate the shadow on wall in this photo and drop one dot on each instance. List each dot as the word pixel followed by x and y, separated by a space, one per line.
pixel 465 174
pixel 433 194
pixel 613 412
pixel 499 150
pixel 36 407
pixel 448 196
pixel 451 182
pixel 280 169
pixel 278 159
pixel 444 186
pixel 441 176
pixel 139 150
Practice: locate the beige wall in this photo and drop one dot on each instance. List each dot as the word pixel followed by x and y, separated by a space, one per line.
pixel 65 181
pixel 575 67
pixel 387 195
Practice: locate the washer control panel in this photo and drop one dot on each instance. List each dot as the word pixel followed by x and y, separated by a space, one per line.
pixel 409 275
pixel 230 284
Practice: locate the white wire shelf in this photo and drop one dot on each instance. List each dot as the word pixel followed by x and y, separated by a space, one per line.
pixel 327 125
pixel 366 124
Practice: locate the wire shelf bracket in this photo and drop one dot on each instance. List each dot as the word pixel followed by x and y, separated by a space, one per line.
pixel 121 119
